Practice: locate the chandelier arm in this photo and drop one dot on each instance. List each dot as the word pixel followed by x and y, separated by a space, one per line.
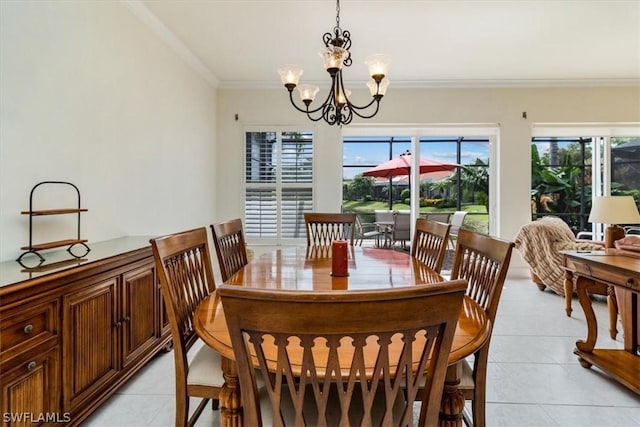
pixel 365 116
pixel 302 110
pixel 310 112
pixel 355 108
pixel 364 107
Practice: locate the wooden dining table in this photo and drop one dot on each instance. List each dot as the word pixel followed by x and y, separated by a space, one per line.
pixel 297 268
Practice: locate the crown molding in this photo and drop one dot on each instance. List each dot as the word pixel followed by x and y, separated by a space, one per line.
pixel 170 39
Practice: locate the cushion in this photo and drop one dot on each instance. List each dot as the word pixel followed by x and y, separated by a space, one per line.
pixel 205 368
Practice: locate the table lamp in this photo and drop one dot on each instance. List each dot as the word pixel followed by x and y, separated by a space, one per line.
pixel 614 210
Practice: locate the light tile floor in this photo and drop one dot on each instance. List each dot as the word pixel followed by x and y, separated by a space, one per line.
pixel 533 380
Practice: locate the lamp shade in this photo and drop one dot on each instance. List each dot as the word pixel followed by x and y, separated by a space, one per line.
pixel 614 210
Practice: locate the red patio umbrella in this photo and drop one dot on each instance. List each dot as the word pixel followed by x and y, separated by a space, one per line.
pixel 402 166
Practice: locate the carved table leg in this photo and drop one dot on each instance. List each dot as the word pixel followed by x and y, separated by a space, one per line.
pixel 452 403
pixel 583 284
pixel 568 291
pixel 230 401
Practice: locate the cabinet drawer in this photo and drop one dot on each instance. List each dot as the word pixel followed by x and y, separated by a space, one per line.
pixel 24 328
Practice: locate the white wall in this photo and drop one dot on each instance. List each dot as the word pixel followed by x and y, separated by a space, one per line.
pixel 89 94
pixel 422 107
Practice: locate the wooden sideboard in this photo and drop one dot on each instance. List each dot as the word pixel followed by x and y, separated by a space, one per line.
pixel 75 330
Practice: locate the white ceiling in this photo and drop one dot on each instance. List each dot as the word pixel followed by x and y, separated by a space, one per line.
pixel 432 43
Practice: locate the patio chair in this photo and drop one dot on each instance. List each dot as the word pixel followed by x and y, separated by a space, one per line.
pixel 457 220
pixel 296 391
pixel 438 216
pixel 401 231
pixel 367 230
pixel 384 222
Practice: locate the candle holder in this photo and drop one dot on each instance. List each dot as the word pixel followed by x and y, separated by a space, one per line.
pixel 339 259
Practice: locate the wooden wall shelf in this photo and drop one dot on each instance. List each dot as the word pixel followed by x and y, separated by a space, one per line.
pixel 53 212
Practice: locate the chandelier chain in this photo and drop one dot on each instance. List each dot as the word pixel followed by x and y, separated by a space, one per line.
pixel 338 14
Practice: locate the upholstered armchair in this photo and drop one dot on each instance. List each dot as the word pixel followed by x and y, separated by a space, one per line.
pixel 540 243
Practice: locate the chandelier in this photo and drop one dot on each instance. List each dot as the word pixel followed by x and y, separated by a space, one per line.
pixel 337 108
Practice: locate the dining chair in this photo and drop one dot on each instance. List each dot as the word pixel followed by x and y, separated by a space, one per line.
pixel 430 240
pixel 312 347
pixel 324 228
pixel 483 261
pixel 183 263
pixel 228 238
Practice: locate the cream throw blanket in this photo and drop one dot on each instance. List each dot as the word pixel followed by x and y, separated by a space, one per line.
pixel 540 243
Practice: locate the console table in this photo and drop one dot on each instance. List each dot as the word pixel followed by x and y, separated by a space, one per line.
pixel 620 271
pixel 74 330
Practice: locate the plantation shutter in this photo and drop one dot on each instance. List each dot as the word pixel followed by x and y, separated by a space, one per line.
pixel 278 184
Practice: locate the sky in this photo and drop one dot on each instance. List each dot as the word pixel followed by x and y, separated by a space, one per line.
pixel 357 157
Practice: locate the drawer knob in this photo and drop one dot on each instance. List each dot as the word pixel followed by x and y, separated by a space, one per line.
pixel 31 366
pixel 630 281
pixel 28 329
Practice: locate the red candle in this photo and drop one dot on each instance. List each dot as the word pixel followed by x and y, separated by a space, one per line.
pixel 339 259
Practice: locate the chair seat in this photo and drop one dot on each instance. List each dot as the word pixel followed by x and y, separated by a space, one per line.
pixel 204 369
pixel 466 380
pixel 356 410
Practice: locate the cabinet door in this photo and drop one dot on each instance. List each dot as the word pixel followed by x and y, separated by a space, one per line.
pixel 30 390
pixel 91 331
pixel 140 327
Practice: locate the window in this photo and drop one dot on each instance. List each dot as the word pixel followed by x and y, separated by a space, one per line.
pixel 561 171
pixel 466 188
pixel 278 184
pixel 566 172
